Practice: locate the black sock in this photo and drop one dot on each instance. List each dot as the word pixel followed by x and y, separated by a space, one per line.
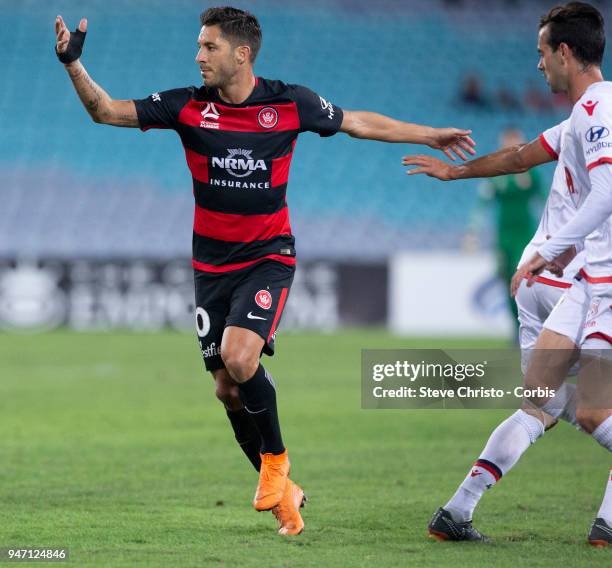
pixel 259 398
pixel 247 435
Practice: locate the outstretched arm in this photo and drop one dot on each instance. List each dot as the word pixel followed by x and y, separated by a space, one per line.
pixel 374 126
pixel 100 106
pixel 512 160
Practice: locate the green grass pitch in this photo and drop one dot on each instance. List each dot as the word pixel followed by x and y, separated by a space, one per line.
pixel 114 445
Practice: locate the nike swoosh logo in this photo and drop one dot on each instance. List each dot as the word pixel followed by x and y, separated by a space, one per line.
pixel 474 473
pixel 255 411
pixel 252 317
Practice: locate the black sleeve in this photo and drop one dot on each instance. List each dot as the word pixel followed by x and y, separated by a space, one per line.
pixel 316 114
pixel 161 110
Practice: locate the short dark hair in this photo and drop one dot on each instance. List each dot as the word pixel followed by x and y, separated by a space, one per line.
pixel 581 27
pixel 238 26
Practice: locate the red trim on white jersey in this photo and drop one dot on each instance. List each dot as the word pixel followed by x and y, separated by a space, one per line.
pixel 600 335
pixel 551 282
pixel 600 162
pixel 595 279
pixel 548 147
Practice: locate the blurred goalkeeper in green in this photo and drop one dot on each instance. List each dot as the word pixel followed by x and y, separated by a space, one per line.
pixel 518 200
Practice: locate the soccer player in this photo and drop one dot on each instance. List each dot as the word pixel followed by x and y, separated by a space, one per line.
pixel 239 132
pixel 571 45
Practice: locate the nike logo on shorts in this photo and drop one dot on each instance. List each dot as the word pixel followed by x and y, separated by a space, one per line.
pixel 252 317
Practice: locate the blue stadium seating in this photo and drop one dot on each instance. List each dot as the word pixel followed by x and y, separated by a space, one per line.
pixel 71 187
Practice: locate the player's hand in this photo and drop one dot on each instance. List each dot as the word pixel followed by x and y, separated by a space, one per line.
pixel 529 270
pixel 428 165
pixel 559 264
pixel 65 48
pixel 451 140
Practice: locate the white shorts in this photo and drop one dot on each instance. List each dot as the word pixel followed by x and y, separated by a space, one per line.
pixel 569 315
pixel 584 312
pixel 535 305
pixel 597 329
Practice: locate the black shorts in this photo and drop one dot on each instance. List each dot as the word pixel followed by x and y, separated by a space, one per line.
pixel 252 298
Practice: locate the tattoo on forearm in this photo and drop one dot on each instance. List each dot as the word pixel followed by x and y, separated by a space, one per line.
pixel 98 103
pixel 89 92
pixel 94 101
pixel 74 73
pixel 92 105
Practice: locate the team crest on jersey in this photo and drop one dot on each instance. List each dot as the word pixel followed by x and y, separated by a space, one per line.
pixel 263 299
pixel 267 117
pixel 594 308
pixel 589 106
pixel 209 114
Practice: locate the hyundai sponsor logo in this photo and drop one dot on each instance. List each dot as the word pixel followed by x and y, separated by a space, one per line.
pixel 596 133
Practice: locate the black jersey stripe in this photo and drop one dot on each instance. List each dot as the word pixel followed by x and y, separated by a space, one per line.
pixel 213 251
pixel 262 145
pixel 257 198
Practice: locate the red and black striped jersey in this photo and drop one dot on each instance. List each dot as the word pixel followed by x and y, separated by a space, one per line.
pixel 239 157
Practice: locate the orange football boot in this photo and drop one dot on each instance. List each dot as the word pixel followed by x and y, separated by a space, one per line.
pixel 272 481
pixel 287 512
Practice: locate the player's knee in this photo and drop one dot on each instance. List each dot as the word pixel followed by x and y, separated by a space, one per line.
pixel 228 395
pixel 587 419
pixel 240 364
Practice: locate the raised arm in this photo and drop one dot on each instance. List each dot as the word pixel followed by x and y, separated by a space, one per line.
pixel 512 160
pixel 374 126
pixel 100 106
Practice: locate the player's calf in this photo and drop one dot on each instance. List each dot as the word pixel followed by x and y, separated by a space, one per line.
pixel 594 412
pixel 549 364
pixel 228 395
pixel 590 419
pixel 243 425
pixel 240 351
pixel 504 448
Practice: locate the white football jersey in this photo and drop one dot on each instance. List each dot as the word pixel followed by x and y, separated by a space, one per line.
pixel 591 127
pixel 562 202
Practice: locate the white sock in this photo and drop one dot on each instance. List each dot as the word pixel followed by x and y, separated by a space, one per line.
pixel 504 448
pixel 605 511
pixel 603 433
